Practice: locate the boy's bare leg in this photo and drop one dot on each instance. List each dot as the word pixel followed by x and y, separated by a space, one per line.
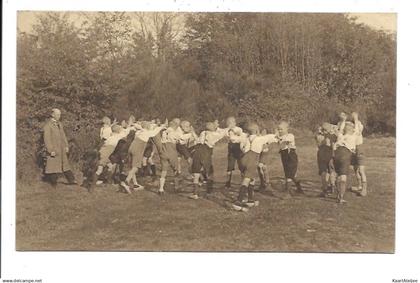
pixel 298 186
pixel 196 185
pixel 358 177
pixel 261 176
pixel 137 186
pixel 229 180
pixel 176 180
pixel 363 180
pixel 130 177
pixel 324 184
pixel 210 182
pixel 243 191
pixel 162 182
pixel 332 181
pixel 287 188
pixel 134 177
pixel 342 186
pixel 111 172
pixel 266 176
pixel 251 201
pixel 179 165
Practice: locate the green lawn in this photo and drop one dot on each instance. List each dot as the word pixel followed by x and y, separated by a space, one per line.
pixel 70 218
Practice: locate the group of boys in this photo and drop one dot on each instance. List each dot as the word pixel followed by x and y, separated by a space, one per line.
pixel 340 147
pixel 129 146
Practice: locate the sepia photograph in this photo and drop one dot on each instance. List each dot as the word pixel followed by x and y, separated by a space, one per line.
pixel 206 131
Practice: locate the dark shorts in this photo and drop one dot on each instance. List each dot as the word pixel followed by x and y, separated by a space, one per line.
pixel 169 157
pixel 202 156
pixel 289 159
pixel 234 155
pixel 120 156
pixel 149 149
pixel 358 158
pixel 264 157
pixel 342 160
pixel 324 156
pixel 248 164
pixel 184 151
pixel 157 141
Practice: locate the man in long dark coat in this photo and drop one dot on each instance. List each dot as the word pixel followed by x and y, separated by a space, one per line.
pixel 57 148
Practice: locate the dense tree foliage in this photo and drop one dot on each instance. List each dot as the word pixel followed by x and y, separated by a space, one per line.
pixel 262 66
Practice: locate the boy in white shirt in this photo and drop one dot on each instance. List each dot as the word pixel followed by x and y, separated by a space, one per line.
pixel 234 150
pixel 252 146
pixel 345 148
pixel 289 157
pixel 168 154
pixel 104 152
pixel 202 156
pixel 325 138
pixel 187 141
pixel 136 151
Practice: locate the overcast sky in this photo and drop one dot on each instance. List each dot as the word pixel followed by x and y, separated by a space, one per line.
pixel 381 21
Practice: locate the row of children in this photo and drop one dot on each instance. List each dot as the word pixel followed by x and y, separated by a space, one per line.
pixel 130 146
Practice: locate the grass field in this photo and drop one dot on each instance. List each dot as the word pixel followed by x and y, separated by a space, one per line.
pixel 70 218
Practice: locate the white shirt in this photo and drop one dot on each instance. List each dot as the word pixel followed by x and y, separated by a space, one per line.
pixel 127 130
pixel 188 139
pixel 287 141
pixel 171 135
pixel 145 135
pixel 106 132
pixel 210 138
pixel 256 143
pixel 113 139
pixel 234 132
pixel 323 139
pixel 347 141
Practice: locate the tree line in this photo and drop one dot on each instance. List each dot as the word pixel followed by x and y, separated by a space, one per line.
pixel 201 66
